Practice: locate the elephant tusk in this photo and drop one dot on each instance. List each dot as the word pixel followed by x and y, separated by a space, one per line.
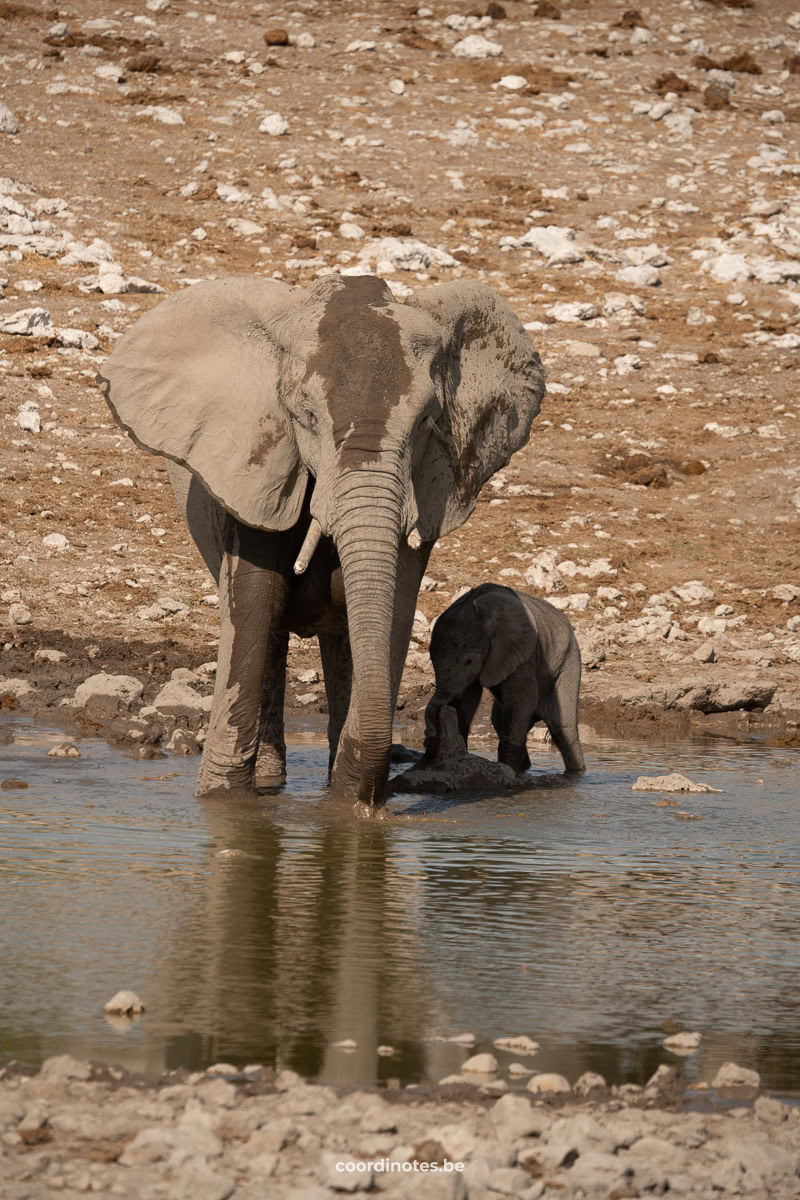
pixel 309 546
pixel 414 540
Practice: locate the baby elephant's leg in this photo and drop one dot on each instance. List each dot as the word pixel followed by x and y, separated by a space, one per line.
pixel 466 706
pixel 512 713
pixel 561 715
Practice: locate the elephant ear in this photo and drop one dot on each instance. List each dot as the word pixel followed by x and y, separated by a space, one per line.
pixel 511 632
pixel 493 388
pixel 196 379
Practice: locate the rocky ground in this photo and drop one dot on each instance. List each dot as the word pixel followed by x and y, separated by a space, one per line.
pixel 625 177
pixel 76 1129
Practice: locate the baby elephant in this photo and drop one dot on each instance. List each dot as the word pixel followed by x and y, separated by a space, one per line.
pixel 522 649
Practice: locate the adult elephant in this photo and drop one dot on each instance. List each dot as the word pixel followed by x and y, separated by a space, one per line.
pixel 325 438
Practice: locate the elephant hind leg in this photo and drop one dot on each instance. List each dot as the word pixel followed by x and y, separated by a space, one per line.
pixel 560 713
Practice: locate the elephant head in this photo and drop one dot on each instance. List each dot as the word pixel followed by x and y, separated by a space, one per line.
pixel 399 412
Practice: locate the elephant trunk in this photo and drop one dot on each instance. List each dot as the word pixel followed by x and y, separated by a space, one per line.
pixel 369 506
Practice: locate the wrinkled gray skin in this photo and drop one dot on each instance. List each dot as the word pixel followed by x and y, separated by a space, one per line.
pixel 335 414
pixel 522 649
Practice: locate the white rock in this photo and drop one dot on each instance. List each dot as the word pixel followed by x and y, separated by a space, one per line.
pixel 683 1042
pixel 48 655
pixel 731 1074
pixel 29 418
pixel 19 614
pixel 64 750
pixel 161 113
pixel 397 87
pixel 158 5
pixel 359 46
pixel 519 1042
pixel 125 1003
pixel 16 688
pixel 405 254
pixel 572 311
pixel 692 592
pixel 179 699
pixel 480 1064
pixel 351 231
pixel 669 783
pixel 110 71
pixel 108 692
pixel 274 124
pixel 644 276
pixel 244 227
pixel 773 116
pixel 705 653
pixel 463 1039
pixel 77 339
pixel 586 1082
pixel 8 122
pixel 555 244
pixel 625 364
pixel 786 592
pixel 475 46
pixel 728 268
pixel 549 1082
pixel 513 83
pixel 619 304
pixel 305 41
pixel 27 321
pixel 543 574
pixel 55 541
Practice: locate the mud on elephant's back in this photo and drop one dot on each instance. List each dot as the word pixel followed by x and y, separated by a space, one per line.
pixel 454 769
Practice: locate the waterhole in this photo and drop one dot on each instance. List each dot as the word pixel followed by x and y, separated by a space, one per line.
pixel 587 916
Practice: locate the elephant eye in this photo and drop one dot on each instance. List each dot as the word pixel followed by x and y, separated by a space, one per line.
pixel 306 418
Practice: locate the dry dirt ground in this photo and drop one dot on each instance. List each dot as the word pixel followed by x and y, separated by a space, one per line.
pixel 74 1129
pixel 648 162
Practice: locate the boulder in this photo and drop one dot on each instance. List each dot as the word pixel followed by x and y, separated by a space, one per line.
pixel 731 1074
pixel 549 1082
pixel 177 699
pixel 106 695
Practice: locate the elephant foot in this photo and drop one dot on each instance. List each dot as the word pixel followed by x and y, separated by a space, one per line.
pixel 214 779
pixel 371 812
pixel 270 763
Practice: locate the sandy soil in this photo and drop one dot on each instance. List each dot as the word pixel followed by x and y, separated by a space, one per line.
pixel 666 450
pixel 74 1128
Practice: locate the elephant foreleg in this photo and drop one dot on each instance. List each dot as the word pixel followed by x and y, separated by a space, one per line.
pixel 252 597
pixel 466 706
pixel 271 756
pixel 337 668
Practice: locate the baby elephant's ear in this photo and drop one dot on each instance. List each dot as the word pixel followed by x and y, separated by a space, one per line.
pixel 512 636
pixel 196 379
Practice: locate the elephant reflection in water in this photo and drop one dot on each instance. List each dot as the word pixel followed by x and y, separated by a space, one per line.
pixel 304 939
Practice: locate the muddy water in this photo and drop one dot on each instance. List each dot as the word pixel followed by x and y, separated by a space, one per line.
pixel 584 915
